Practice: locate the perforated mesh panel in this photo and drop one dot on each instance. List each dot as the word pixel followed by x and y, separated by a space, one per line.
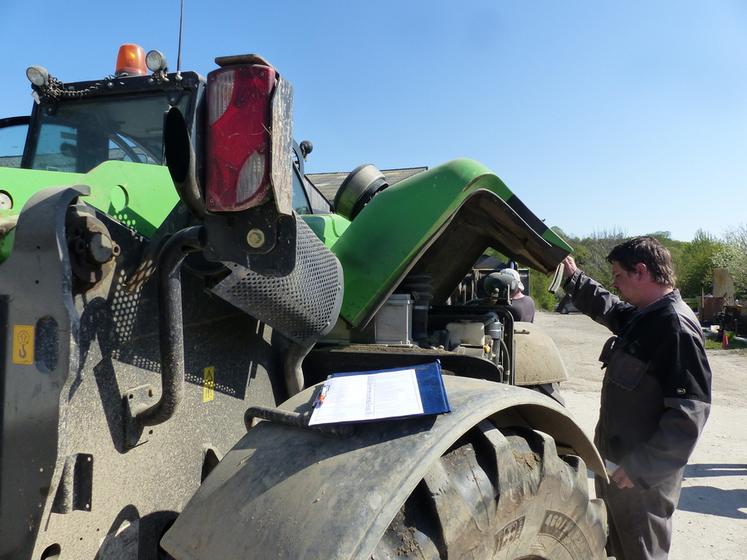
pixel 124 307
pixel 302 305
pixel 132 316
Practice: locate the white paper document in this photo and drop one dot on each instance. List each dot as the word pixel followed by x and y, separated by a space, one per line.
pixel 371 396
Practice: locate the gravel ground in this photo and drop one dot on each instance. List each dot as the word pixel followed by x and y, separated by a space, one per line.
pixel 711 519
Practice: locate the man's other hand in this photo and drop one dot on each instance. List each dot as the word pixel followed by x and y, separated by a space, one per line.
pixel 621 478
pixel 569 266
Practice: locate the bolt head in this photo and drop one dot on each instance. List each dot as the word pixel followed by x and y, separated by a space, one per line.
pixel 100 248
pixel 255 238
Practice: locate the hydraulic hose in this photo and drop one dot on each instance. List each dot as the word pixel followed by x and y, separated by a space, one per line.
pixel 171 323
pixel 508 372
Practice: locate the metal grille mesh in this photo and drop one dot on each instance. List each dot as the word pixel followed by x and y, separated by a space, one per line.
pixel 133 315
pixel 302 305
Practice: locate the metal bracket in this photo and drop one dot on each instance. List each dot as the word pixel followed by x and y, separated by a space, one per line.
pixel 135 401
pixel 75 491
pixel 234 238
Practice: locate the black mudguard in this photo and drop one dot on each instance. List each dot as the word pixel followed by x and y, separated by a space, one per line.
pixel 285 492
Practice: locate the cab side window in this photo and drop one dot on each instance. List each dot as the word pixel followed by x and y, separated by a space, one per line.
pixel 57 148
pixel 300 202
pixel 12 139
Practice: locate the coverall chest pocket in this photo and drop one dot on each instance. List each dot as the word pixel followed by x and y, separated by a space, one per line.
pixel 625 370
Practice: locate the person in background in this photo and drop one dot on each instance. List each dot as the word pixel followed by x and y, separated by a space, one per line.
pixel 520 302
pixel 656 393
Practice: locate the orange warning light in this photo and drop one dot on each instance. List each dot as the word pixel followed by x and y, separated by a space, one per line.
pixel 131 61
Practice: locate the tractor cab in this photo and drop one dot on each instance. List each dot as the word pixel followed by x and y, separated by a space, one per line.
pixel 122 123
pixel 76 127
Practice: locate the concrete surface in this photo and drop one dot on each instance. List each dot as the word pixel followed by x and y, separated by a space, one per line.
pixel 711 520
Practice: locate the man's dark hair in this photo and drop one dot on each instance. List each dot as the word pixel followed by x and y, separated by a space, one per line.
pixel 648 251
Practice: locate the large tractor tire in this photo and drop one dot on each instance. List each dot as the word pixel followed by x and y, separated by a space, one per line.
pixel 502 494
pixel 457 485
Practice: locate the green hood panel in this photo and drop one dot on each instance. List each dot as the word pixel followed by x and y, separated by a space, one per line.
pixel 327 227
pixel 137 195
pixel 438 222
pixel 22 184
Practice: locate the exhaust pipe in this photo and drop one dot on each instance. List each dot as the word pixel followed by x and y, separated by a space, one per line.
pixel 180 158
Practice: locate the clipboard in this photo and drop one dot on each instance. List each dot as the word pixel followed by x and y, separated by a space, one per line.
pixel 364 396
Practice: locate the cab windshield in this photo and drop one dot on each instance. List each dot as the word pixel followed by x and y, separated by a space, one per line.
pixel 76 135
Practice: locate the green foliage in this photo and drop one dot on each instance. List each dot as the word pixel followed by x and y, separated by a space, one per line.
pixel 676 249
pixel 714 344
pixel 590 253
pixel 661 235
pixel 695 264
pixel 694 261
pixel 538 284
pixel 733 257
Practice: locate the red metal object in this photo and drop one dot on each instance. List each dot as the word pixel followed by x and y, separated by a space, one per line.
pixel 239 137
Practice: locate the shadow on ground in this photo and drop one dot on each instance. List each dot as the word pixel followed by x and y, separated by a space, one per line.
pixel 715 469
pixel 714 501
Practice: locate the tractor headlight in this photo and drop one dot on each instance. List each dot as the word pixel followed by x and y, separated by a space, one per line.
pixel 155 61
pixel 37 75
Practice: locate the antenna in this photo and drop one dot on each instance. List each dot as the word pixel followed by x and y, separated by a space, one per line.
pixel 179 49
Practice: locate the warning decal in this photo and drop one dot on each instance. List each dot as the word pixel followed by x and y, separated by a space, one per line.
pixel 208 384
pixel 23 344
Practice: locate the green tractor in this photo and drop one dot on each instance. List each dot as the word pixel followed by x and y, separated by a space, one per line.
pixel 173 290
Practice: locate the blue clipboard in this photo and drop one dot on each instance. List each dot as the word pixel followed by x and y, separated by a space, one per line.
pixel 430 385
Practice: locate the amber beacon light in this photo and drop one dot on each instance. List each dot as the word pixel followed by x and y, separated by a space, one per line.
pixel 131 61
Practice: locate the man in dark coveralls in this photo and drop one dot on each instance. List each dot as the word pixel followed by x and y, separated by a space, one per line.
pixel 656 393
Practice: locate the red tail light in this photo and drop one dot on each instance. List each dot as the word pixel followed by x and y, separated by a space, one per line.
pixel 238 162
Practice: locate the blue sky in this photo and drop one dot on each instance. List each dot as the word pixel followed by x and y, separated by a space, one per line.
pixel 600 115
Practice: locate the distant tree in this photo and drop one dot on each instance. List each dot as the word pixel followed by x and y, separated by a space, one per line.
pixel 695 264
pixel 733 257
pixel 661 235
pixel 561 233
pixel 694 261
pixel 675 247
pixel 591 253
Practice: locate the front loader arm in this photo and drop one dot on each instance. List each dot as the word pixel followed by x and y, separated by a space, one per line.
pixel 37 312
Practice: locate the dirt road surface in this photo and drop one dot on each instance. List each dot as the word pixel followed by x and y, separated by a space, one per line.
pixel 711 519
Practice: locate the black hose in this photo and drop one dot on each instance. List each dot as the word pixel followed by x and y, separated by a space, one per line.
pixel 171 323
pixel 507 372
pixel 296 419
pixel 181 161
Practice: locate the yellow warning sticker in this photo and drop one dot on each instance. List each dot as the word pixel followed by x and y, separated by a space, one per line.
pixel 23 344
pixel 208 384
